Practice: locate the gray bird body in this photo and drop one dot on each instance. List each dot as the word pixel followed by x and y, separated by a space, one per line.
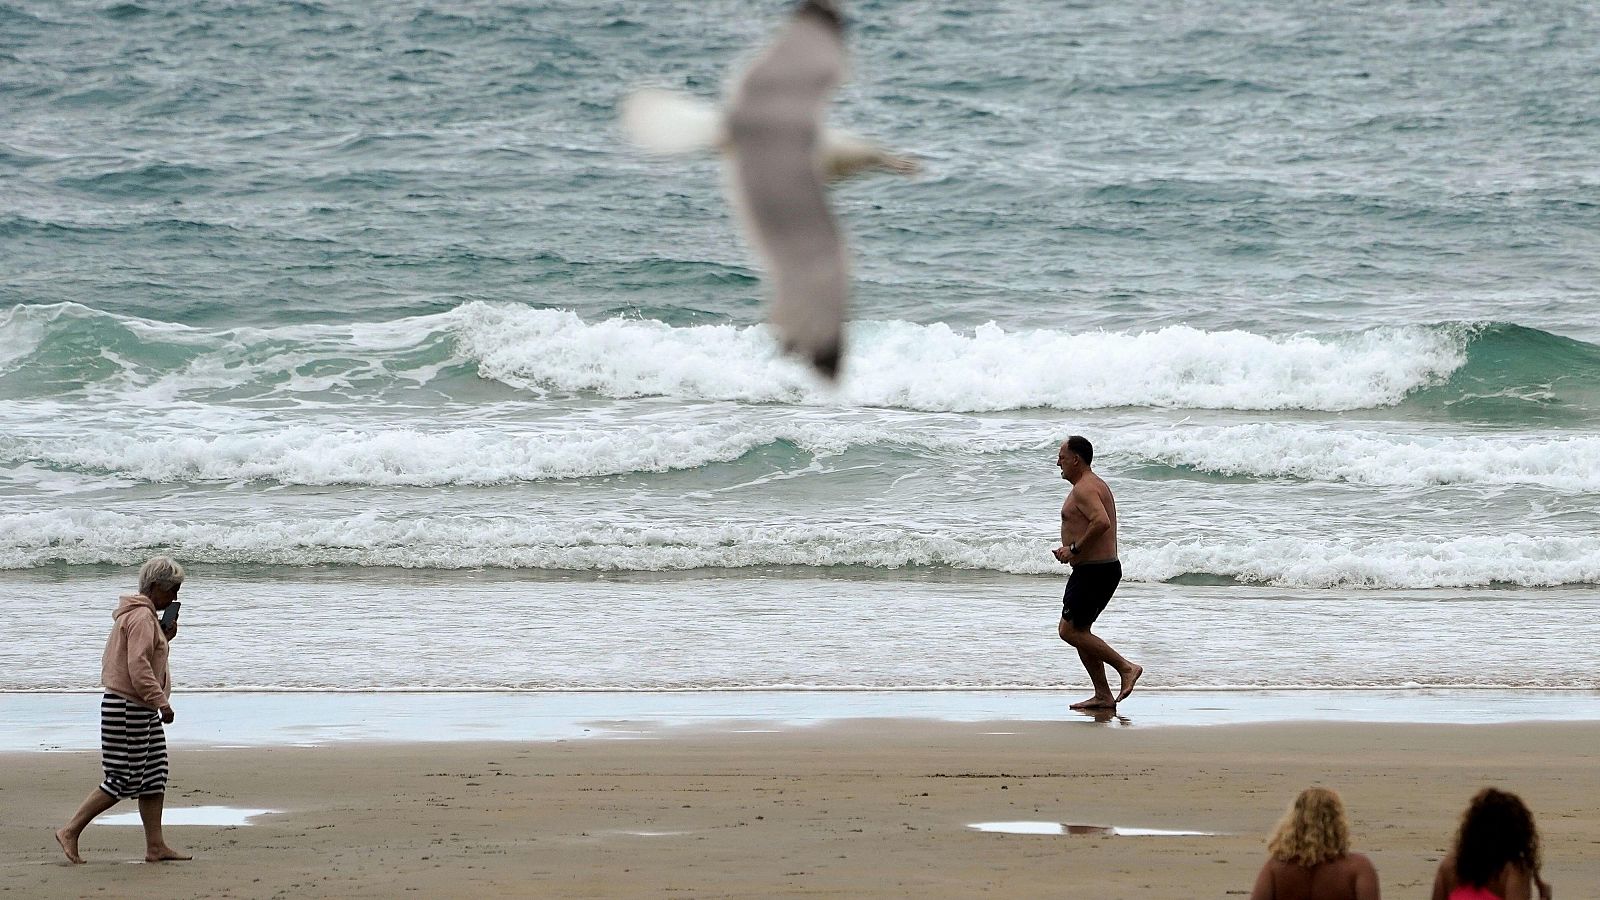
pixel 781 157
pixel 779 183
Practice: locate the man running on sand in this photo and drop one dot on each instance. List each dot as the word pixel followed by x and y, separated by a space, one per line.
pixel 1089 546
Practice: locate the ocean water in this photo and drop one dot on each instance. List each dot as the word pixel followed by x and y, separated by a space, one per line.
pixel 367 314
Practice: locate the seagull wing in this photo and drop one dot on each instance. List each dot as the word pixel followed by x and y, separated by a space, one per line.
pixel 845 154
pixel 670 122
pixel 774 126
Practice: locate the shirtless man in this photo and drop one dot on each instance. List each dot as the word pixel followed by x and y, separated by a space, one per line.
pixel 1089 546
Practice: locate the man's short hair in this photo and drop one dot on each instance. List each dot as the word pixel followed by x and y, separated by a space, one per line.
pixel 159 572
pixel 1080 445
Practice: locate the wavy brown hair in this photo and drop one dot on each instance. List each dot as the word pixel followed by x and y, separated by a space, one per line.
pixel 1496 829
pixel 1313 831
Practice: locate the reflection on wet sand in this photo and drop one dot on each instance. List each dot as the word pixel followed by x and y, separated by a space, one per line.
pixel 193 815
pixel 1079 828
pixel 1106 715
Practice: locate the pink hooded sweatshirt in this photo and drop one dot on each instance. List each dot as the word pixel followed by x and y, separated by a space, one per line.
pixel 134 666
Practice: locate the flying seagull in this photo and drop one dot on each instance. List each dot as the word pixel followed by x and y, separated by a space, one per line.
pixel 780 156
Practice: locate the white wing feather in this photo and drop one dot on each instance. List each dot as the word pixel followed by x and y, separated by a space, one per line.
pixel 845 154
pixel 664 121
pixel 780 158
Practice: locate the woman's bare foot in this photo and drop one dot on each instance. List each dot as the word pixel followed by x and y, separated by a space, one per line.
pixel 69 846
pixel 1095 702
pixel 1129 678
pixel 163 853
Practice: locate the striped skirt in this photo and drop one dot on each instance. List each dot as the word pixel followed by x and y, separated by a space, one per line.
pixel 133 748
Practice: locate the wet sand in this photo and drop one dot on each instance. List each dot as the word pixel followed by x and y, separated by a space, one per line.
pixel 56 721
pixel 854 808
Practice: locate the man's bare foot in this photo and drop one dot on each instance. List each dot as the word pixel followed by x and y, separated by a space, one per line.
pixel 1128 680
pixel 69 846
pixel 163 853
pixel 1095 702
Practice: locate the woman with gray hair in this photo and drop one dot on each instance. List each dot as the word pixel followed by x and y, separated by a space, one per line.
pixel 137 702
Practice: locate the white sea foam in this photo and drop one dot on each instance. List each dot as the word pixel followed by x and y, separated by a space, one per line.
pixel 478 455
pixel 451 542
pixel 21 330
pixel 1321 453
pixel 931 367
pixel 191 363
pixel 244 447
pixel 1497 559
pixel 304 455
pixel 290 360
pixel 935 367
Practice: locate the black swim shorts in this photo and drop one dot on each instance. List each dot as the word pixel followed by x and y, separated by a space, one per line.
pixel 1089 589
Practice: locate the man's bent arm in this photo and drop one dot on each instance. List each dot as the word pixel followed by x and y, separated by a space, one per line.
pixel 1095 511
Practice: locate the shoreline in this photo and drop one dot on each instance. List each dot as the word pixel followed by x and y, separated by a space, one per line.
pixel 742 629
pixel 863 808
pixel 53 722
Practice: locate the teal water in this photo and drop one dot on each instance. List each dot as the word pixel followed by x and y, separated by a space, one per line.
pixel 307 290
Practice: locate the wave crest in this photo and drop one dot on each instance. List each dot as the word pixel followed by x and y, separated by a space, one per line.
pixel 1453 370
pixel 455 542
pixel 1372 457
pixel 939 368
pixel 394 457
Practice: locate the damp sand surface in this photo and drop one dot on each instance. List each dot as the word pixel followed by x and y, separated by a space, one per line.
pixel 861 808
pixel 219 720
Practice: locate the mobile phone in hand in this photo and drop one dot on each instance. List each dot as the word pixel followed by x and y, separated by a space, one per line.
pixel 169 618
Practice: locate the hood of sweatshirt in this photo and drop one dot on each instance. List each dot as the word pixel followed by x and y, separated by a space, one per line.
pixel 129 602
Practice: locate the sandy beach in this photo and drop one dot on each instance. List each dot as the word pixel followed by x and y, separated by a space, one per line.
pixel 849 808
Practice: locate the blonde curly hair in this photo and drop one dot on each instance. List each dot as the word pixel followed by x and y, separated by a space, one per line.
pixel 1313 831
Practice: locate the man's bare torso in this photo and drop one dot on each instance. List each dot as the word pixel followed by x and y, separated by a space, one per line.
pixel 1074 520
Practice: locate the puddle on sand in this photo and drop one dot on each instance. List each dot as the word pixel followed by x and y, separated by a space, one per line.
pixel 1071 828
pixel 193 815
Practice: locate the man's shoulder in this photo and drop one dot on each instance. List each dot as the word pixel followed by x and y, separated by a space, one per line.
pixel 1091 483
